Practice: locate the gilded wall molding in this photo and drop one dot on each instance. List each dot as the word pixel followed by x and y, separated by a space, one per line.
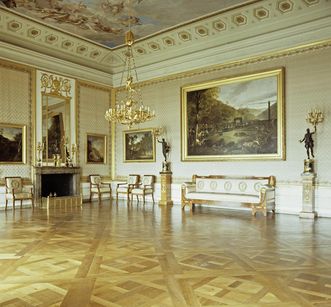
pixel 86 84
pixel 15 66
pixel 93 85
pixel 112 133
pixel 31 101
pixel 110 144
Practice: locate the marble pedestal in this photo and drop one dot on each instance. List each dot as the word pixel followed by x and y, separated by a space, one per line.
pixel 308 196
pixel 165 188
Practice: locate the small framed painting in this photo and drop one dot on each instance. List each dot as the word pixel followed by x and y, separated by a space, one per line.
pixel 12 144
pixel 139 145
pixel 96 148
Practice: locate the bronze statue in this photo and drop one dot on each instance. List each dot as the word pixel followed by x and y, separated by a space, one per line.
pixel 165 148
pixel 309 142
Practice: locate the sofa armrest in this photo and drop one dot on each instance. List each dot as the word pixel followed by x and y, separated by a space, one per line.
pixel 188 187
pixel 267 193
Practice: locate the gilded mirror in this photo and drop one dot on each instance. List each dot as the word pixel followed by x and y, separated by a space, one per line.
pixel 55 120
pixel 55 125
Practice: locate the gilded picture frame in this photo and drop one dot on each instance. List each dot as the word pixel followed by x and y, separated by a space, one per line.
pixel 139 145
pixel 235 118
pixel 12 143
pixel 96 148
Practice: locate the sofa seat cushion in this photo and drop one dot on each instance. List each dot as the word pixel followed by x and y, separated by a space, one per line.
pixel 245 198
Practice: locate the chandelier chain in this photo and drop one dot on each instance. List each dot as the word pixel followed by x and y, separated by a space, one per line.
pixel 131 110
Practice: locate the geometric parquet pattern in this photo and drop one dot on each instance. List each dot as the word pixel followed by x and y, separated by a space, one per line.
pixel 135 255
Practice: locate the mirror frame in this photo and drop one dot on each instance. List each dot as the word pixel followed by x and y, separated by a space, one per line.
pixel 52 85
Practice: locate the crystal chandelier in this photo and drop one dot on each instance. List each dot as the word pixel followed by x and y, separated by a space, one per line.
pixel 129 111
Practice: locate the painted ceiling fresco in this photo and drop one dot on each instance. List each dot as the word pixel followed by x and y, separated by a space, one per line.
pixel 106 21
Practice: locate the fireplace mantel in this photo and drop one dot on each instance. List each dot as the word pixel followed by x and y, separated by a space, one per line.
pixel 40 171
pixel 56 170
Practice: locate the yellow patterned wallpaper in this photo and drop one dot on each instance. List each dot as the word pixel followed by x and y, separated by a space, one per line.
pixel 16 89
pixel 93 101
pixel 307 74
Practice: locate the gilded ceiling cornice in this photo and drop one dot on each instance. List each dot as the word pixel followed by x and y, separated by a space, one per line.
pixel 212 30
pixel 250 60
pixel 190 22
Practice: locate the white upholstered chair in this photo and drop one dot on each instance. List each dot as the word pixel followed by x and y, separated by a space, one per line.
pixel 98 187
pixel 146 187
pixel 15 190
pixel 126 187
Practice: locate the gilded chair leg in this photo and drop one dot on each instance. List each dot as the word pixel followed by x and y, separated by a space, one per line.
pixel 137 199
pixel 6 204
pixel 143 199
pixel 116 197
pixel 153 198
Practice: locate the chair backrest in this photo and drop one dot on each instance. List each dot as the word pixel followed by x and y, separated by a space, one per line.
pixel 14 183
pixel 133 179
pixel 148 180
pixel 95 179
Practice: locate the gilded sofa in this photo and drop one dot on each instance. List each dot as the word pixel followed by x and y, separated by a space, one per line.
pixel 258 193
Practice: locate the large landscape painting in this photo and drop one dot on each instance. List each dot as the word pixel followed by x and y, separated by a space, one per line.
pixel 234 118
pixel 12 143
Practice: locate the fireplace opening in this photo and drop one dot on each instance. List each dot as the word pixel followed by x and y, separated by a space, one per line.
pixel 57 184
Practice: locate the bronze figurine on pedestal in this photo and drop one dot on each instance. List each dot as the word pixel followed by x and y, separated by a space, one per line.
pixel 309 142
pixel 165 152
pixel 314 117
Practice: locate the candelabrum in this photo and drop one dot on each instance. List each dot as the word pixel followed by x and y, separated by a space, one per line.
pixel 158 132
pixel 315 117
pixel 40 149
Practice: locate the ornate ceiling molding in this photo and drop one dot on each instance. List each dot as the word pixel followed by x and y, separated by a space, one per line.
pixel 179 48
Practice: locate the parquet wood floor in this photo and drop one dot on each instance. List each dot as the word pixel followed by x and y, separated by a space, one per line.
pixel 120 255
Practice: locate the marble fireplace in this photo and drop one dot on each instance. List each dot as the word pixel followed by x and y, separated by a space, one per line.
pixel 60 182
